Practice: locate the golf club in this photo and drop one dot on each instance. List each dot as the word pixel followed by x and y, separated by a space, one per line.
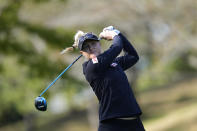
pixel 40 102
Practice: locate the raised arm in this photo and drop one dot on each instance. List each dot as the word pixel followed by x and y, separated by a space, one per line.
pixel 130 57
pixel 106 58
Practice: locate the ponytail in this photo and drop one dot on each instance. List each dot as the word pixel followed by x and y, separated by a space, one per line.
pixel 75 45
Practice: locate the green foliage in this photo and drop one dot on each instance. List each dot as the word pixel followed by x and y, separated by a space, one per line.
pixel 181 64
pixel 9 16
pixel 11 114
pixel 56 38
pixel 160 74
pixel 25 72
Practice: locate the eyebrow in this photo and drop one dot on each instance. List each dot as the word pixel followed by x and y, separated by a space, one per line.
pixel 90 42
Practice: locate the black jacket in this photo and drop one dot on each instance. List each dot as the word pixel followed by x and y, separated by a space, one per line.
pixel 106 76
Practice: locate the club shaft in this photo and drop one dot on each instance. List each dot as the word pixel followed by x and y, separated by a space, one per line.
pixel 59 76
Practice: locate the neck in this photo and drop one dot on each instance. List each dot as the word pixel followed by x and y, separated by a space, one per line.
pixel 93 55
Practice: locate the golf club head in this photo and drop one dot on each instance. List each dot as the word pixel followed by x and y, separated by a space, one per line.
pixel 41 103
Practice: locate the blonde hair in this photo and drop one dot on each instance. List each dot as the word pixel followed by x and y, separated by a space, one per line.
pixel 76 42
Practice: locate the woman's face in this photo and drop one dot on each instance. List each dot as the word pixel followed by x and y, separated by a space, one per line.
pixel 91 47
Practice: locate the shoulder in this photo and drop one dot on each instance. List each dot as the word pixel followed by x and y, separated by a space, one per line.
pixel 90 66
pixel 91 70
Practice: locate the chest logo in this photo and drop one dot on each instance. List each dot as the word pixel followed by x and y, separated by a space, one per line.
pixel 95 60
pixel 114 64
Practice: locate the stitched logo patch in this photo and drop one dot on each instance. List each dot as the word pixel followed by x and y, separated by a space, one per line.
pixel 95 60
pixel 114 64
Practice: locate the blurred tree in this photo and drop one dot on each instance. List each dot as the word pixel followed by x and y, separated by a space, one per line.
pixel 26 63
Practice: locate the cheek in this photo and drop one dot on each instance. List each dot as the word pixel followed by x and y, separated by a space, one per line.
pixel 84 54
pixel 98 46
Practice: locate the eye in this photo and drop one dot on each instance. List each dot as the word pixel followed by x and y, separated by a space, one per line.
pixel 93 43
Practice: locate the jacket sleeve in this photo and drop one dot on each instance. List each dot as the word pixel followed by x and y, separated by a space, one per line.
pixel 106 58
pixel 130 57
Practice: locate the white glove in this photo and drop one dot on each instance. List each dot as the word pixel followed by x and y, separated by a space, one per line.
pixel 111 28
pixel 109 33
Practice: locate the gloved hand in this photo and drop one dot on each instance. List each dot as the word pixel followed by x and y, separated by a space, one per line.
pixel 109 33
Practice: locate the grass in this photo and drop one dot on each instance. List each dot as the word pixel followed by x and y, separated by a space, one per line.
pixel 170 108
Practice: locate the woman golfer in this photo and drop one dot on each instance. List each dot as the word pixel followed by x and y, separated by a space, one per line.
pixel 118 109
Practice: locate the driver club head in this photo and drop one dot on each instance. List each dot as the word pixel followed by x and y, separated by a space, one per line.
pixel 41 103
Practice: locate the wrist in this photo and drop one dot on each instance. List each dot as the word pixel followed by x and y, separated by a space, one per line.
pixel 114 34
